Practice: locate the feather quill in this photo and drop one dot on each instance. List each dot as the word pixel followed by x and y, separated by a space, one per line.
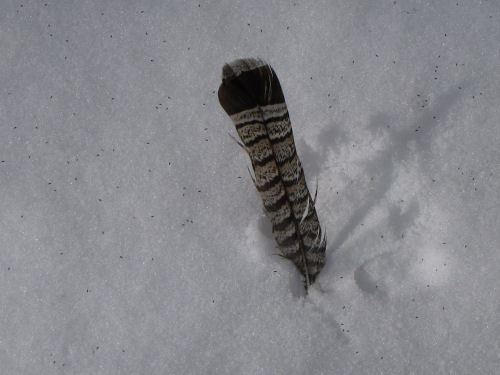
pixel 251 95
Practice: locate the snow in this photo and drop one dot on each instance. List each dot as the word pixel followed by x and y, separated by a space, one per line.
pixel 133 240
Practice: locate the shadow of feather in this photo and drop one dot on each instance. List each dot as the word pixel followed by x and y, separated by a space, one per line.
pixel 419 132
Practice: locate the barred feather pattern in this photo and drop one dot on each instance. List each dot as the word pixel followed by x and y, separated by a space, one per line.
pixel 251 95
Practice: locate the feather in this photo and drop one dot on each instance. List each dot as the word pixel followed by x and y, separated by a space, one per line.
pixel 251 95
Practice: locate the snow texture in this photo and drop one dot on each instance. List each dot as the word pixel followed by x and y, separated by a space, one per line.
pixel 133 240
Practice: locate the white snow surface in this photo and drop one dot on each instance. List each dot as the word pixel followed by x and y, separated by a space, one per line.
pixel 134 242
